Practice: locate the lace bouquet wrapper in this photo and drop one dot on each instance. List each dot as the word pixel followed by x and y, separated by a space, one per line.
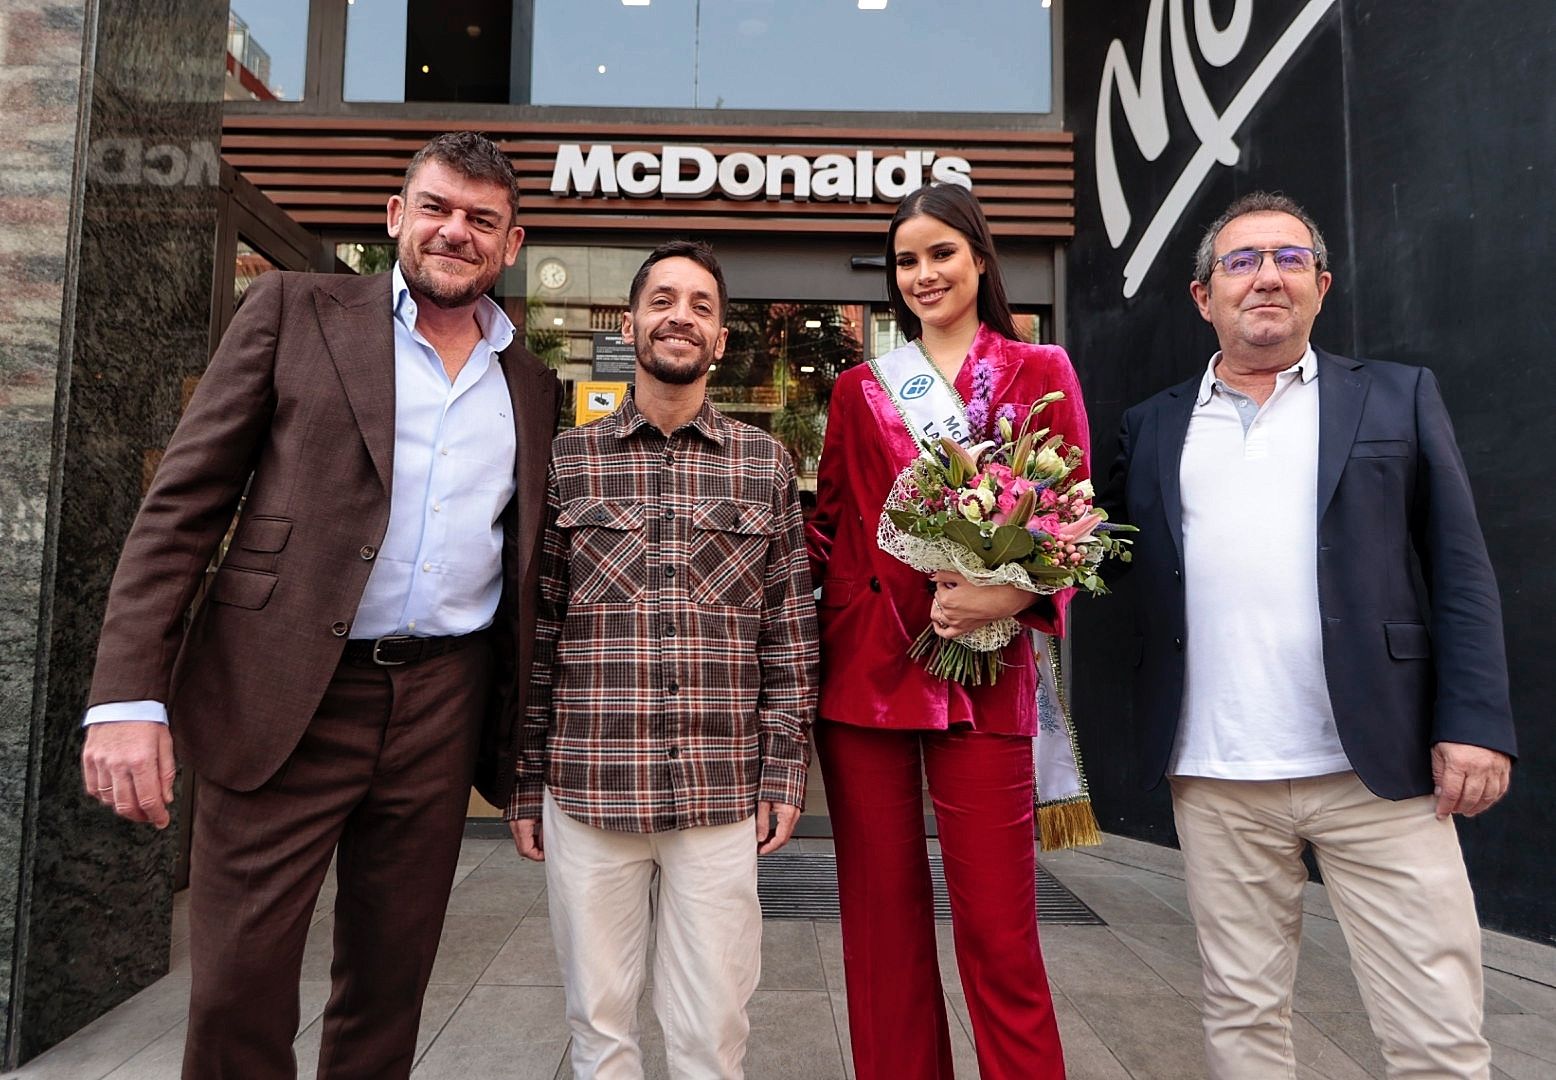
pixel 1006 511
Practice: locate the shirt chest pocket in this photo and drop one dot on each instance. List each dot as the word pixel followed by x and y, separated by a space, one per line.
pixel 606 553
pixel 727 557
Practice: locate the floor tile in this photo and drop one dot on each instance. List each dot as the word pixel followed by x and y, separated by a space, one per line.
pixel 1509 1064
pixel 1168 950
pixel 1321 1055
pixel 1086 1055
pixel 1527 1033
pixel 162 1060
pixel 1154 1036
pixel 1351 1032
pixel 469 943
pixel 112 1040
pixel 792 1036
pixel 1530 996
pixel 495 892
pixel 829 939
pixel 1121 900
pixel 1092 960
pixel 528 958
pixel 840 1023
pixel 513 1032
pixel 791 957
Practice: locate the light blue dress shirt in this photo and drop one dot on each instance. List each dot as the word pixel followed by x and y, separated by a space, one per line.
pixel 439 567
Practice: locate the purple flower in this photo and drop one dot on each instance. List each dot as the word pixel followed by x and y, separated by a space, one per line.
pixel 982 398
pixel 1007 412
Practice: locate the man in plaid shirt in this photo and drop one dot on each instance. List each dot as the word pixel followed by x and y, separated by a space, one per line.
pixel 673 690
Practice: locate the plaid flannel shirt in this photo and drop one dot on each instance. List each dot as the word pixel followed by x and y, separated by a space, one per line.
pixel 675 651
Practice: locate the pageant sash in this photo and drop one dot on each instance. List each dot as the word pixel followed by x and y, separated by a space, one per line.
pixel 1064 815
pixel 928 406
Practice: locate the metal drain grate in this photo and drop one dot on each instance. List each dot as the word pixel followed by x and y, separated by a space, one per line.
pixel 803 885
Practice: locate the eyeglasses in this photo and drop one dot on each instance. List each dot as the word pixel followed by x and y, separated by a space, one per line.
pixel 1288 260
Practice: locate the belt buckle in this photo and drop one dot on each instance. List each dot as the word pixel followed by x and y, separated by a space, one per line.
pixel 378 642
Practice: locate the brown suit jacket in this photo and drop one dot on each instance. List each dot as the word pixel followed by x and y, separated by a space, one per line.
pixel 297 404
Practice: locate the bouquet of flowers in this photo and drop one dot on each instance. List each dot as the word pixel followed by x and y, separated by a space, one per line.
pixel 1006 510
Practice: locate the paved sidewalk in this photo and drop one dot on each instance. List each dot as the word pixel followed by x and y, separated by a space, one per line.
pixel 1126 992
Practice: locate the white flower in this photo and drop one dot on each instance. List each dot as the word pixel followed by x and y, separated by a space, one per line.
pixel 1084 490
pixel 1048 463
pixel 975 503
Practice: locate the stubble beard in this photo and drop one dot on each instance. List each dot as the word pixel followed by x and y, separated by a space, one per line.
pixel 439 292
pixel 673 372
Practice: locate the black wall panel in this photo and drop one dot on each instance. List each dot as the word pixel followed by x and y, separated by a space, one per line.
pixel 1423 139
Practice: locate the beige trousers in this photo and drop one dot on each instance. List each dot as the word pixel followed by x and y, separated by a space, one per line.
pixel 707 951
pixel 1396 879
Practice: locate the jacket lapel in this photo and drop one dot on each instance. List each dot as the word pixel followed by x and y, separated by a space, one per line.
pixel 1172 428
pixel 534 413
pixel 1342 390
pixel 355 318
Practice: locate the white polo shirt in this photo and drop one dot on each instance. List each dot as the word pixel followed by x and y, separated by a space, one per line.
pixel 1255 703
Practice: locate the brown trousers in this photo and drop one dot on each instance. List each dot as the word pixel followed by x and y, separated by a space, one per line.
pixel 383 776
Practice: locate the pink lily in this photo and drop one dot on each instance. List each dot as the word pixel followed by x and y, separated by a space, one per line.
pixel 1076 531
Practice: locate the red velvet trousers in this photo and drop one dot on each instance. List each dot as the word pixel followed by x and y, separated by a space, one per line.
pixel 981 787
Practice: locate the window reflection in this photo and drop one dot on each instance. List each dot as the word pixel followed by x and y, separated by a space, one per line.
pixel 909 56
pixel 366 258
pixel 249 264
pixel 434 50
pixel 267 50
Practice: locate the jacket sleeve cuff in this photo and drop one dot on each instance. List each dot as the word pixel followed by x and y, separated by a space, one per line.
pixel 1047 614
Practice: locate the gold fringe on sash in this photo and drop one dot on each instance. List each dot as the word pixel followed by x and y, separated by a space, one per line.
pixel 1067 820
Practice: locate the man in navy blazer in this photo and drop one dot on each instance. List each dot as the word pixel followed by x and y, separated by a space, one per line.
pixel 1321 658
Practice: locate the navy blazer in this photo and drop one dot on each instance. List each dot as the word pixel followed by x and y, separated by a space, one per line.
pixel 1412 623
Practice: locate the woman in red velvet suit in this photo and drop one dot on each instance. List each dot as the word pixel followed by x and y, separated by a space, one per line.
pixel 886 723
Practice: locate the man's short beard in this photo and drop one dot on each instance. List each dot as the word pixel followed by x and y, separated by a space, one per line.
pixel 670 372
pixel 438 293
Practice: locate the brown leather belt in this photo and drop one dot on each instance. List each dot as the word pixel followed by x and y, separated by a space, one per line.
pixel 400 649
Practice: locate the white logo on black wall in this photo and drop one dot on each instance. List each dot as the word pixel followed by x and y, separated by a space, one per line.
pixel 1145 111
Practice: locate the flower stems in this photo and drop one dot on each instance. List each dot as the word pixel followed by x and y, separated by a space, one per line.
pixel 947 658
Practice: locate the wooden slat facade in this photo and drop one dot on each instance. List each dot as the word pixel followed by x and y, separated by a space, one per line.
pixel 336 173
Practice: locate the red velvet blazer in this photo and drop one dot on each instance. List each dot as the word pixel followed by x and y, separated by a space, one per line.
pixel 872 606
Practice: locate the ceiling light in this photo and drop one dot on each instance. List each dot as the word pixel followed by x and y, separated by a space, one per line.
pixel 813 324
pixel 556 320
pixel 635 3
pixel 807 369
pixel 872 5
pixel 601 69
pixel 425 70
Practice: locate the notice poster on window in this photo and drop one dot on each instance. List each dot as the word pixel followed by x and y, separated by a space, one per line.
pixel 613 358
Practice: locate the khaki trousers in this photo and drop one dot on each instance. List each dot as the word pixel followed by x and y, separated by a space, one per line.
pixel 1396 879
pixel 707 951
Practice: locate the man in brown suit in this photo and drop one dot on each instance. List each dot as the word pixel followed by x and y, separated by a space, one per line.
pixel 357 662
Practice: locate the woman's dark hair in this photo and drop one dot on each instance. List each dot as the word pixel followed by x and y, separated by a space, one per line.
pixel 955 206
